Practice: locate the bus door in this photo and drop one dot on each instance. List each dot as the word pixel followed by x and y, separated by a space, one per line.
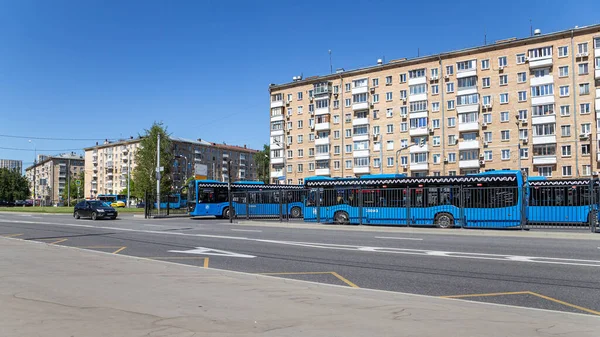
pixel 314 198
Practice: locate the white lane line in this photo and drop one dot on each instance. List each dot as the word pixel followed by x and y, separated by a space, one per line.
pixel 247 230
pixel 396 238
pixel 368 249
pixel 154 225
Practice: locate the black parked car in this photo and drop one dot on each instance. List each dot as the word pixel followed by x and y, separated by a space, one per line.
pixel 5 203
pixel 94 209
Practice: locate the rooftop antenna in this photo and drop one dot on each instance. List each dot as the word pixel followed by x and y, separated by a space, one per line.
pixel 418 52
pixel 484 36
pixel 530 28
pixel 330 65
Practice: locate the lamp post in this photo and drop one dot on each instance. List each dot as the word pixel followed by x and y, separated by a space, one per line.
pixel 517 122
pixel 34 168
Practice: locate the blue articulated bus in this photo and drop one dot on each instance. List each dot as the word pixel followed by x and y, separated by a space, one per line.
pixel 249 198
pixel 486 200
pixel 110 198
pixel 173 201
pixel 561 201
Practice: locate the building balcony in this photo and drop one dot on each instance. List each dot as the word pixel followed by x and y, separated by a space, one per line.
pixel 109 164
pixel 276 104
pixel 597 74
pixel 360 121
pixel 276 145
pixel 360 106
pixel 419 166
pixel 535 81
pixel 418 132
pixel 418 80
pixel 278 160
pixel 322 111
pixel 540 62
pixel 94 175
pixel 360 153
pixel 466 90
pixel 277 132
pixel 322 172
pixel 544 160
pixel 466 73
pixel 277 118
pixel 544 139
pixel 461 109
pixel 361 170
pixel 468 145
pixel 472 126
pixel 322 126
pixel 360 137
pixel 322 141
pixel 473 163
pixel 419 149
pixel 543 119
pixel 417 97
pixel 322 156
pixel 360 90
pixel 541 100
pixel 277 173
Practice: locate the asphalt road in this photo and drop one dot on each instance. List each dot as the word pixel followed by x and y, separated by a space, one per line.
pixel 549 273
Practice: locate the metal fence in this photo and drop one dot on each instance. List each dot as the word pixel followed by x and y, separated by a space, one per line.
pixel 168 208
pixel 552 207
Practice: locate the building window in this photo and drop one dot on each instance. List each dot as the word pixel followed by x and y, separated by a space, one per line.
pixel 375 98
pixel 402 78
pixel 521 77
pixel 584 89
pixel 376 129
pixel 336 149
pixel 434 72
pixel 348 133
pixel 487 136
pixel 435 89
pixel 505 134
pixel 375 82
pixel 336 119
pixel 566 150
pixel 300 124
pixel 504 98
pixel 504 116
pixel 390 161
pixel 390 128
pixel 348 148
pixel 563 51
pixel 586 128
pixel 376 162
pixel 523 115
pixel 565 130
pixel 435 106
pixel 389 112
pixel 348 102
pixel 586 170
pixel 487 100
pixel 584 108
pixel 522 96
pixel 450 87
pixel 451 139
pixel 563 90
pixel 583 68
pixel 450 105
pixel 523 133
pixel 300 168
pixel 585 149
pixel 403 127
pixel 503 79
pixel 582 48
pixel 487 155
pixel 347 87
pixel 544 129
pixel 336 165
pixel 336 89
pixel 300 153
pixel 375 114
pixel 505 154
pixel 502 61
pixel 436 140
pixel 485 64
pixel 487 118
pixel 563 71
pixel 388 96
pixel 311 152
pixel 388 80
pixel 436 158
pixel 451 122
pixel 524 153
pixel 485 82
pixel 545 171
pixel 348 164
pixel 435 123
pixel 452 157
pixel 521 58
pixel 403 111
pixel 566 171
pixel 565 110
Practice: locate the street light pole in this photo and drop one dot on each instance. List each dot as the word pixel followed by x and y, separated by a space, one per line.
pixel 400 150
pixel 34 169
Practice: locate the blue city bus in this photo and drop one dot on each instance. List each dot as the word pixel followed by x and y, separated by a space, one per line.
pixel 490 199
pixel 174 200
pixel 110 198
pixel 210 198
pixel 560 201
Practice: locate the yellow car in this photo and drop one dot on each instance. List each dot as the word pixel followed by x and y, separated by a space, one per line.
pixel 117 204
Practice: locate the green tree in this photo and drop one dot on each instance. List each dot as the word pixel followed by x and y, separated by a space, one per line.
pixel 65 196
pixel 13 186
pixel 132 187
pixel 144 173
pixel 262 160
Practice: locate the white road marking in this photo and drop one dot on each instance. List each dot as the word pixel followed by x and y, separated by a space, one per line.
pixel 210 251
pixel 247 230
pixel 389 250
pixel 25 215
pixel 396 238
pixel 154 225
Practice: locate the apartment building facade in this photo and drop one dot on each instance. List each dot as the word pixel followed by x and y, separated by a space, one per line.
pixel 11 164
pixel 50 175
pixel 531 103
pixel 108 166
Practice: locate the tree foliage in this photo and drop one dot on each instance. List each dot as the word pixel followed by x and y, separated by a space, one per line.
pixel 13 186
pixel 262 160
pixel 80 176
pixel 144 173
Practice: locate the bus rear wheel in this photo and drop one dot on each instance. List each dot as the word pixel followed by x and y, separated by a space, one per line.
pixel 296 212
pixel 341 218
pixel 444 220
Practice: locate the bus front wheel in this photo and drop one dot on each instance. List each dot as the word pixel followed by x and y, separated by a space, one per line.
pixel 225 213
pixel 444 220
pixel 296 212
pixel 341 218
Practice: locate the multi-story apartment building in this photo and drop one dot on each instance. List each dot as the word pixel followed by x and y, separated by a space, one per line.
pixel 51 174
pixel 532 103
pixel 12 164
pixel 107 165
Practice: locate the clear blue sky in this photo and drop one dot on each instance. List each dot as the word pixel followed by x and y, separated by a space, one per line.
pixel 108 69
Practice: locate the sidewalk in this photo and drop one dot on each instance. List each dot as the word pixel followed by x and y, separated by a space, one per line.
pixel 59 291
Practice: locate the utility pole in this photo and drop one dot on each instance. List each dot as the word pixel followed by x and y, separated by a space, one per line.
pixel 158 173
pixel 229 190
pixel 34 169
pixel 381 153
pixel 68 182
pixel 128 178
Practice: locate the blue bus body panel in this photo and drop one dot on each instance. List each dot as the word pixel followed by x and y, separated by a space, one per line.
pixel 214 209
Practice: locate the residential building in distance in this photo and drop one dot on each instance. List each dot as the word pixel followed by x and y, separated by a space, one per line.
pixel 532 103
pixel 49 176
pixel 108 165
pixel 12 164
